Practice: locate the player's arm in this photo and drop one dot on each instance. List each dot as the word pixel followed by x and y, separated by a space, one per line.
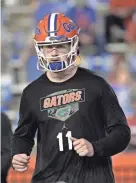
pixel 23 138
pixel 115 122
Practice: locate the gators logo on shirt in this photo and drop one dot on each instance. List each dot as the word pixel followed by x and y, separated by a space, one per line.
pixel 63 104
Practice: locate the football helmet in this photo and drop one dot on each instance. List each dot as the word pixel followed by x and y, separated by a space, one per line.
pixel 56 28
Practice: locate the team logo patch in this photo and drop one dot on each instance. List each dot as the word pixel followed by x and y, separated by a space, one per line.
pixel 63 113
pixel 62 105
pixel 69 27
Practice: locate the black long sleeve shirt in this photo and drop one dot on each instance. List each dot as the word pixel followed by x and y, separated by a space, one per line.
pixel 85 106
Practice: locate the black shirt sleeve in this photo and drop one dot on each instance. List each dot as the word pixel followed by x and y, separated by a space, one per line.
pixel 118 132
pixel 23 138
pixel 6 136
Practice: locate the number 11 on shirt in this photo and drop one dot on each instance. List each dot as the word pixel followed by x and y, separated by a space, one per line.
pixel 60 137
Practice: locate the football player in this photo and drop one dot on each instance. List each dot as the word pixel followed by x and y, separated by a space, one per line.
pixel 79 121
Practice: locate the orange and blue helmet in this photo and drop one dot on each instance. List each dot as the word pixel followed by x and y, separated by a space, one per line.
pixel 56 28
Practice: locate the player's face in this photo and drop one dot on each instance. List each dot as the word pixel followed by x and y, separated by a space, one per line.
pixel 56 51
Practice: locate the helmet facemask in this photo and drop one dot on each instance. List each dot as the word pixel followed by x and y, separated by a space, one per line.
pixel 59 64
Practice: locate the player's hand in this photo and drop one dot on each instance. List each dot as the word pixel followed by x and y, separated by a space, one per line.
pixel 83 147
pixel 20 162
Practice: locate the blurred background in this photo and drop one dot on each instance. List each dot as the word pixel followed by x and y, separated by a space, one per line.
pixel 107 46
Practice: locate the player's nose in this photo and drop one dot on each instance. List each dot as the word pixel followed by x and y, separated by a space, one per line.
pixel 54 52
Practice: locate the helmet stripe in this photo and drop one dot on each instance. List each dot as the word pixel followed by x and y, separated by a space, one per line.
pixel 49 24
pixel 53 20
pixel 52 24
pixel 55 24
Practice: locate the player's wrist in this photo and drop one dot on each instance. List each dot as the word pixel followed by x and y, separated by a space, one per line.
pixel 91 151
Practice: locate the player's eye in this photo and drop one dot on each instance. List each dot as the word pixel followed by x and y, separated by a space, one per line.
pixel 49 46
pixel 58 46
